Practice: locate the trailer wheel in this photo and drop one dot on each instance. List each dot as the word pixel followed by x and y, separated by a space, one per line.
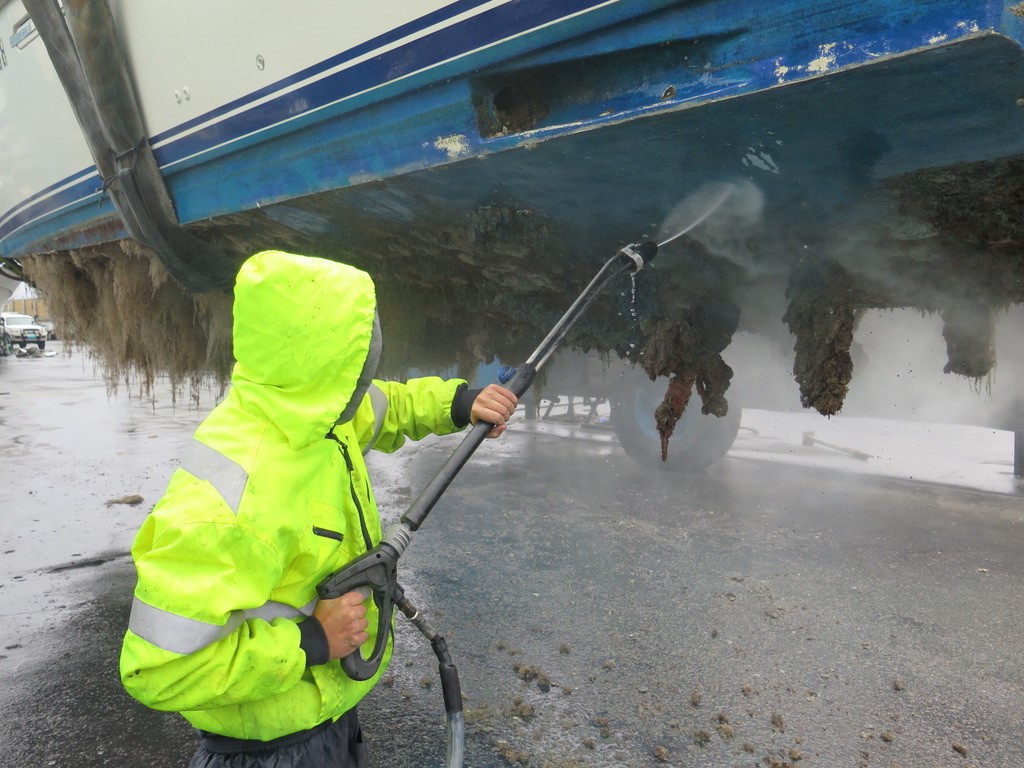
pixel 698 441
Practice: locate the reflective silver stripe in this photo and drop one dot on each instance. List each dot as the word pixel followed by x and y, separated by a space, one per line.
pixel 379 401
pixel 271 610
pixel 218 470
pixel 174 633
pixel 179 634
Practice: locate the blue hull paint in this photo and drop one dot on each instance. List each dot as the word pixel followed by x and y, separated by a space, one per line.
pixel 819 152
pixel 614 115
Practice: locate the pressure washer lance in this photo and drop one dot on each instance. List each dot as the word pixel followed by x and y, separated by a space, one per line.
pixel 378 568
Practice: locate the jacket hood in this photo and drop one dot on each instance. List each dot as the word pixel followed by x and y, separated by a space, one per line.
pixel 303 330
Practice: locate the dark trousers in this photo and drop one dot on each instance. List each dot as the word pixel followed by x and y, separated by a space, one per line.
pixel 329 745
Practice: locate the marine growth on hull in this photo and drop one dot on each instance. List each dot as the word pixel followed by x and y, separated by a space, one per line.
pixel 462 286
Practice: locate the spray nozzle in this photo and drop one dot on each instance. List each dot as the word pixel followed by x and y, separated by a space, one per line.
pixel 639 254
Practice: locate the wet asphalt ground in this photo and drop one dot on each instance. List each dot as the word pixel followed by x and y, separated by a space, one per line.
pixel 600 614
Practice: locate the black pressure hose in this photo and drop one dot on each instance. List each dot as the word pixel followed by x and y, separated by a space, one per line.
pixel 451 689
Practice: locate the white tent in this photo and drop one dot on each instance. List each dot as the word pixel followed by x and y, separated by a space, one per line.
pixel 25 291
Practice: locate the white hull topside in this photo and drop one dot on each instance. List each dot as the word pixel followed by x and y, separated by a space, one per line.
pixel 187 59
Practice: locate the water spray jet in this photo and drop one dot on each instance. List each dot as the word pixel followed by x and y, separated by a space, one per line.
pixel 719 193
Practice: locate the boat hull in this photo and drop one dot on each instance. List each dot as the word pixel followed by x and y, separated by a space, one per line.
pixel 487 155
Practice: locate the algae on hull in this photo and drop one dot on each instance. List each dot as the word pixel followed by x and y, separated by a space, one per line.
pixel 461 282
pixel 821 316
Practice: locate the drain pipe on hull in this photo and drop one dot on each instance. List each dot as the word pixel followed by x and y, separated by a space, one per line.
pixel 93 70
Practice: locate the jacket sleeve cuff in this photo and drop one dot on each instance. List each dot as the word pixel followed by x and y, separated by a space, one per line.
pixel 313 640
pixel 462 404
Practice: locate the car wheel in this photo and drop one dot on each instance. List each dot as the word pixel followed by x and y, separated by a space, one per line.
pixel 698 441
pixel 42 345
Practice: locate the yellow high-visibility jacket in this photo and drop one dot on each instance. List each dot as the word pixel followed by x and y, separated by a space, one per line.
pixel 272 496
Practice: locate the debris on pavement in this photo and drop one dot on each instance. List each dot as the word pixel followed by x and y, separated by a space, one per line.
pixel 131 499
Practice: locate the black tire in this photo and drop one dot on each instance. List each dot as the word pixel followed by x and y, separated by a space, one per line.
pixel 42 345
pixel 697 442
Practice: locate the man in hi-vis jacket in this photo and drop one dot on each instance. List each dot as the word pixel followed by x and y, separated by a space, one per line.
pixel 271 497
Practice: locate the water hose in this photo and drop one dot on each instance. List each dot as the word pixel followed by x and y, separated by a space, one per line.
pixel 451 689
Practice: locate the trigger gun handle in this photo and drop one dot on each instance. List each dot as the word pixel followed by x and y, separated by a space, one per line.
pixel 377 569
